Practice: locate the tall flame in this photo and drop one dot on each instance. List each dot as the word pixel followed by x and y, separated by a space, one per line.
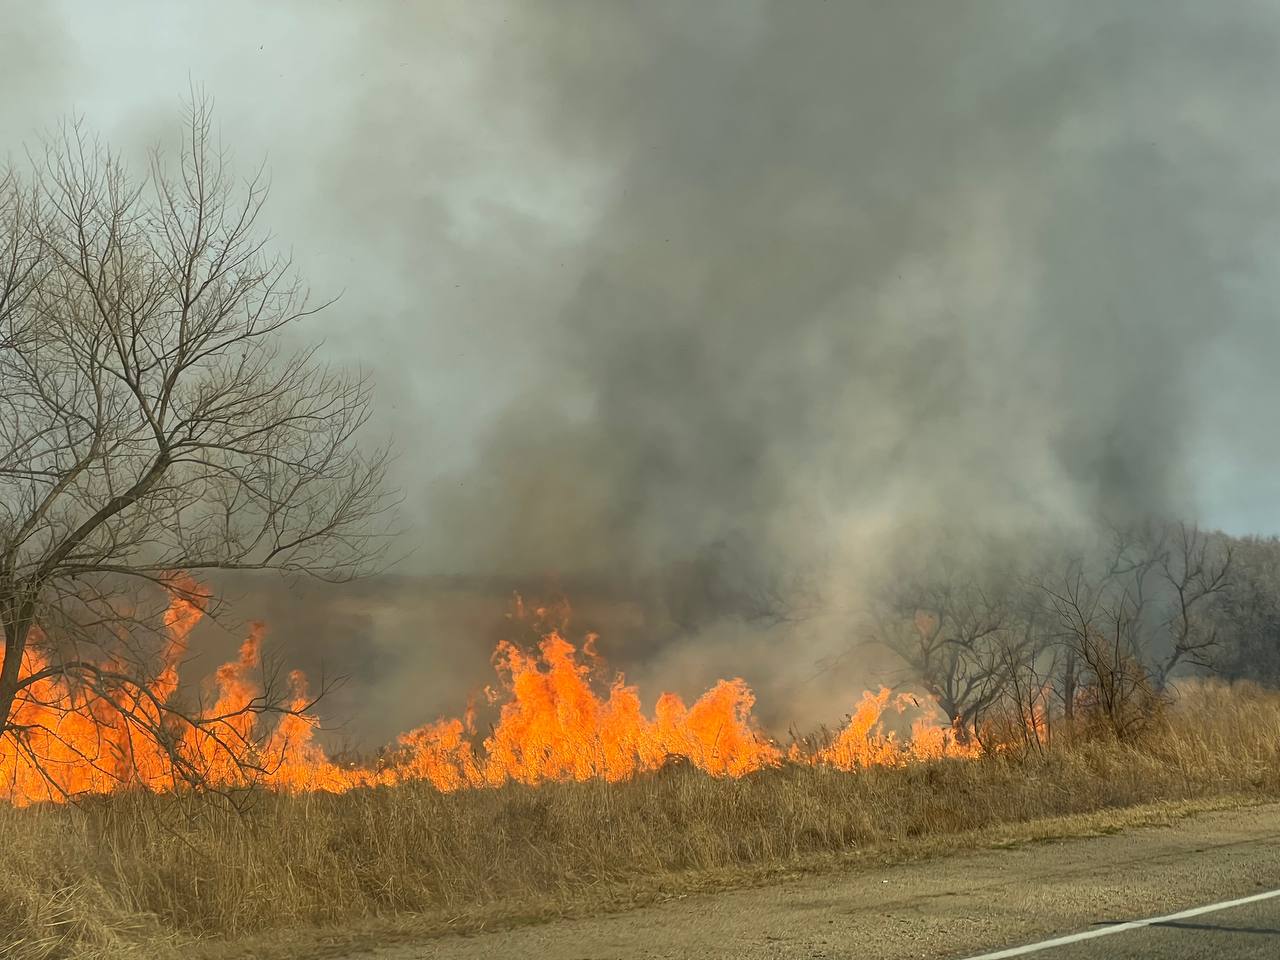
pixel 552 724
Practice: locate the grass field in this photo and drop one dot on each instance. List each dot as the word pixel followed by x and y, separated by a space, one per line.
pixel 146 875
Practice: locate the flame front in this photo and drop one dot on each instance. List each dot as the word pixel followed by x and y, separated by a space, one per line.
pixel 552 724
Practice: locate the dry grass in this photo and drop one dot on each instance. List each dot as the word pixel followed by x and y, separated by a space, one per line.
pixel 129 875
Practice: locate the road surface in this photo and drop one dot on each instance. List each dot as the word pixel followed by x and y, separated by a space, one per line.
pixel 962 906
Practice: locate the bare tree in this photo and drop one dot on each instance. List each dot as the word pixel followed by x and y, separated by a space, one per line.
pixel 1098 624
pixel 1128 621
pixel 1022 714
pixel 1246 615
pixel 151 419
pixel 957 636
pixel 1197 573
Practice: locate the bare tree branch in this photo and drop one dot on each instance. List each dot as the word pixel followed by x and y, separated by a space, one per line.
pixel 151 420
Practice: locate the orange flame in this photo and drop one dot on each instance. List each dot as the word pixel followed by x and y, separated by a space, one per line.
pixel 552 725
pixel 864 741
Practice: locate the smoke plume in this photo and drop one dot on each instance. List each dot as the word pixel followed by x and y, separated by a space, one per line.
pixel 862 268
pixel 728 308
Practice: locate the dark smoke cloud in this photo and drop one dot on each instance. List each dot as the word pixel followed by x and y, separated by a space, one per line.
pixel 729 306
pixel 856 274
pixel 866 264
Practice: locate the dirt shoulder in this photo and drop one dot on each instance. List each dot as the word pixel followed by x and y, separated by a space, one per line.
pixel 921 899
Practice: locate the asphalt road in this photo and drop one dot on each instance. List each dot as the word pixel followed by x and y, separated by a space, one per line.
pixel 1237 930
pixel 957 907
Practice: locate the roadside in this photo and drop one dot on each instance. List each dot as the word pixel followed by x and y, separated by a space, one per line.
pixel 943 909
pixel 930 898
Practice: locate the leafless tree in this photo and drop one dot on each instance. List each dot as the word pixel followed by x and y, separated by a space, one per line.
pixel 152 420
pixel 957 636
pixel 1197 572
pixel 1022 713
pixel 1246 615
pixel 1128 622
pixel 1099 628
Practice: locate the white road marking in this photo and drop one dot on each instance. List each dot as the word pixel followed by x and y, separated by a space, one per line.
pixel 1122 927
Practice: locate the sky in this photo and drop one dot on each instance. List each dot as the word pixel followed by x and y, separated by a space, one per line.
pixel 454 171
pixel 789 286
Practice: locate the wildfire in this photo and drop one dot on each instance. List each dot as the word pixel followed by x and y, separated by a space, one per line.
pixel 552 724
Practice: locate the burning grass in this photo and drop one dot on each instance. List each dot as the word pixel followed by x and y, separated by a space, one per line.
pixel 560 716
pixel 137 873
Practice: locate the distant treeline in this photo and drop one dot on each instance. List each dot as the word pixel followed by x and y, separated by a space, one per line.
pixel 1246 613
pixel 1096 625
pixel 1095 636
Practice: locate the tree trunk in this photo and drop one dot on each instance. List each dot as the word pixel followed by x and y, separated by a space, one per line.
pixel 1069 692
pixel 17 627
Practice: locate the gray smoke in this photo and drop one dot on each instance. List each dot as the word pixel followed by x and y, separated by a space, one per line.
pixel 726 309
pixel 858 276
pixel 867 266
